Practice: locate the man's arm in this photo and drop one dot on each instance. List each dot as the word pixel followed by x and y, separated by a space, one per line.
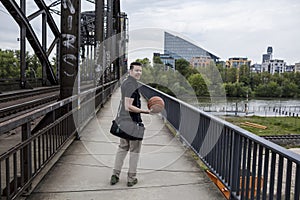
pixel 131 108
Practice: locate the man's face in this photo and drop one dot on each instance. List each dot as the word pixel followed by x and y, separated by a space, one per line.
pixel 136 72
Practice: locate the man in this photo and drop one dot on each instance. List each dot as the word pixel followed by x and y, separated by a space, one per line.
pixel 130 104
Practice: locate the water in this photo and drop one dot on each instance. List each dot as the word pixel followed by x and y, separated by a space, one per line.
pixel 258 107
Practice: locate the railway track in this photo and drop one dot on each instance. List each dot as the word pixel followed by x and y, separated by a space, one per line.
pixel 292 140
pixel 22 108
pixel 6 97
pixel 18 103
pixel 282 137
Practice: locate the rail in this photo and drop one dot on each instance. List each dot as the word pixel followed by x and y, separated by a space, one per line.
pixel 27 93
pixel 249 166
pixel 20 165
pixel 21 108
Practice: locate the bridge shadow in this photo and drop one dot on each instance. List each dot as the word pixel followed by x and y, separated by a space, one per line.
pixel 166 169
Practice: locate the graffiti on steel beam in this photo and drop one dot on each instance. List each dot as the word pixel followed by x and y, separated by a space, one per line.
pixel 70 21
pixel 67 4
pixel 68 57
pixel 68 40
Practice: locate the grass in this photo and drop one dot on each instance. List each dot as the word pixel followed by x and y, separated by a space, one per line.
pixel 275 125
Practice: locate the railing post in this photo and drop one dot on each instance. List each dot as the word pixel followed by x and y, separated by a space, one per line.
pixel 297 183
pixel 235 163
pixel 0 179
pixel 27 161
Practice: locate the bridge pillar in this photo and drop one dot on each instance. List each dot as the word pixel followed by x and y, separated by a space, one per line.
pixel 23 81
pixel 99 37
pixel 69 48
pixel 69 56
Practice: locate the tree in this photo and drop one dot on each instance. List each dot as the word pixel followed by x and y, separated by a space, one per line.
pixel 157 60
pixel 289 89
pixel 145 62
pixel 277 78
pixel 181 65
pixel 198 84
pixel 236 89
pixel 231 75
pixel 256 80
pixel 9 65
pixel 34 67
pixel 270 89
pixel 244 75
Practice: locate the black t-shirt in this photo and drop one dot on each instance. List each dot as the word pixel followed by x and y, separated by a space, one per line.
pixel 129 88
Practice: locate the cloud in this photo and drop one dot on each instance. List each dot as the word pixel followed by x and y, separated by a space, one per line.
pixel 224 27
pixel 228 28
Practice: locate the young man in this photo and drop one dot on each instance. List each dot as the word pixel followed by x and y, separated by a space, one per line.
pixel 131 105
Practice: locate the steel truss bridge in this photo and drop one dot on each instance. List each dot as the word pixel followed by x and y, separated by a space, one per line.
pixel 243 165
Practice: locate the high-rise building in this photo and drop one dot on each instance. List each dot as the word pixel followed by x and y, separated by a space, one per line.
pixel 201 61
pixel 255 68
pixel 167 60
pixel 269 56
pixel 271 65
pixel 277 66
pixel 177 48
pixel 237 62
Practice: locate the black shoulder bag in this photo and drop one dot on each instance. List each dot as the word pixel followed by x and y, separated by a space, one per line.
pixel 124 127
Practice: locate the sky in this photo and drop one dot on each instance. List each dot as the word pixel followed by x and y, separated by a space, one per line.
pixel 226 28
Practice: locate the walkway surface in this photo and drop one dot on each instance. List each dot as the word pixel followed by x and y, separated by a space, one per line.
pixel 166 170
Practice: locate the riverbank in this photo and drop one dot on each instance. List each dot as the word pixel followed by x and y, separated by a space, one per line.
pixel 270 126
pixel 275 125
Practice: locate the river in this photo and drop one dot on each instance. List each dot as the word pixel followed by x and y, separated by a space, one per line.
pixel 258 107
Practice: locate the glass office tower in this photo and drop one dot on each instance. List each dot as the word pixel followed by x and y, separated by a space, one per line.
pixel 177 48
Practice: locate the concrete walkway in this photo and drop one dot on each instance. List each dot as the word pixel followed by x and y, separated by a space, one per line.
pixel 165 170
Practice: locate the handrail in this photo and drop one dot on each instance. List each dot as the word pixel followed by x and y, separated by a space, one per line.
pixel 20 164
pixel 248 165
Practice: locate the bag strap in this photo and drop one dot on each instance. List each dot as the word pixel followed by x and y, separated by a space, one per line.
pixel 119 109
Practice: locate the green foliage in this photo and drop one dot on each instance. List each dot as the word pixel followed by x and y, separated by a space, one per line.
pixel 170 82
pixel 205 82
pixel 230 75
pixel 270 89
pixel 34 67
pixel 198 84
pixel 275 125
pixel 157 60
pixel 9 65
pixel 182 66
pixel 244 74
pixel 289 89
pixel 236 89
pixel 277 78
pixel 145 62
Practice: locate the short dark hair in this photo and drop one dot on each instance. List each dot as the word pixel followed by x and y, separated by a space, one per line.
pixel 135 63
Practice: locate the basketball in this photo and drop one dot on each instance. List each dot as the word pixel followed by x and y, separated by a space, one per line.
pixel 156 104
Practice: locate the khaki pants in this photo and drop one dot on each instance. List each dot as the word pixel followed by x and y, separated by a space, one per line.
pixel 134 146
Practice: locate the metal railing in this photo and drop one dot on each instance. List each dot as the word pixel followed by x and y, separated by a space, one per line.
pixel 21 164
pixel 249 166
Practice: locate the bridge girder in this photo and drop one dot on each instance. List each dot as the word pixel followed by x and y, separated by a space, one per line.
pixel 40 50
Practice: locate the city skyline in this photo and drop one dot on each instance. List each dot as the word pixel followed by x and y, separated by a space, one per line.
pixel 225 28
